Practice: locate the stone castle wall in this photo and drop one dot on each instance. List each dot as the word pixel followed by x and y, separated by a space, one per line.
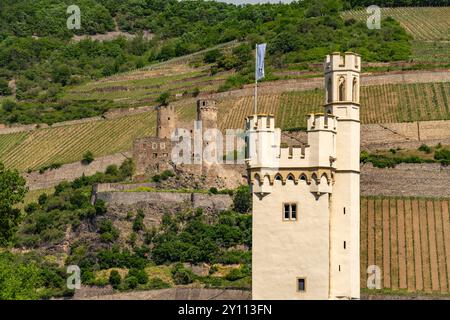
pixel 71 171
pixel 215 202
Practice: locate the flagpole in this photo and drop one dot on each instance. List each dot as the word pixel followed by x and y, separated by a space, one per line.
pixel 256 79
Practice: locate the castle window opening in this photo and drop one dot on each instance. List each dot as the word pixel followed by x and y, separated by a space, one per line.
pixel 345 245
pixel 155 155
pixel 301 284
pixel 341 89
pixel 344 210
pixel 290 212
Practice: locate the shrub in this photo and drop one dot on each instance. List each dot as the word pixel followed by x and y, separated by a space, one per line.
pixel 213 190
pixel 157 283
pixel 43 199
pixel 139 274
pixel 156 178
pixel 164 99
pixel 100 207
pixel 112 170
pixel 424 148
pixel 115 279
pixel 242 200
pixel 238 273
pixel 108 233
pixel 131 282
pixel 138 223
pixel 182 275
pixel 88 157
pixel 442 155
pixel 166 174
pixel 127 169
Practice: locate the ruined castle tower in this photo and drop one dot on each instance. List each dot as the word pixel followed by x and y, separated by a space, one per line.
pixel 207 115
pixel 166 121
pixel 306 200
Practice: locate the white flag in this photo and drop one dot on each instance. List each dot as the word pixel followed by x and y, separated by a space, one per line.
pixel 260 53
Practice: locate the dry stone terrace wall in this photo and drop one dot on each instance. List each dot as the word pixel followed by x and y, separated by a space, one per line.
pixel 173 294
pixel 426 180
pixel 71 171
pixel 216 202
pixel 407 135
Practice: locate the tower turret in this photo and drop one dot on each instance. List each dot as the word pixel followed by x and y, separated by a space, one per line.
pixel 342 100
pixel 166 120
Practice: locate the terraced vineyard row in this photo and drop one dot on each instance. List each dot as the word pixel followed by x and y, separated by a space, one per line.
pixel 142 87
pixel 66 144
pixel 379 104
pixel 421 23
pixel 409 240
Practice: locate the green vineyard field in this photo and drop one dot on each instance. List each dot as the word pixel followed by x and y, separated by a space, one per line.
pixel 422 23
pixel 409 240
pixel 65 144
pixel 379 104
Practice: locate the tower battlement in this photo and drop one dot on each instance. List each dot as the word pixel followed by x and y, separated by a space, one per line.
pixel 206 105
pixel 260 122
pixel 321 121
pixel 346 62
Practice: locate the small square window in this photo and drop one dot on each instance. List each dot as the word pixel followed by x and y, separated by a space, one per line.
pixel 289 211
pixel 301 284
pixel 155 155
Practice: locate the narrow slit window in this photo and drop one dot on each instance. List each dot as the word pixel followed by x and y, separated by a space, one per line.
pixel 301 284
pixel 286 212
pixel 294 212
pixel 345 245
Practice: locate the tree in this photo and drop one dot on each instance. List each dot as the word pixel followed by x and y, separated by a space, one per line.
pixel 12 192
pixel 9 105
pixel 115 279
pixel 164 99
pixel 4 88
pixel 242 200
pixel 18 280
pixel 88 157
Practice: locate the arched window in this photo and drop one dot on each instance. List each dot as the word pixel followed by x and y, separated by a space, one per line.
pixel 341 89
pixel 303 177
pixel 329 91
pixel 355 90
pixel 257 180
pixel 290 177
pixel 277 177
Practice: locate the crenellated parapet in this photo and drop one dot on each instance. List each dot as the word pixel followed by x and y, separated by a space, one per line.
pixel 318 180
pixel 342 62
pixel 321 121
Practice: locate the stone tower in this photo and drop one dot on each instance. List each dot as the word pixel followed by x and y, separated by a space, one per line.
pixel 207 116
pixel 342 71
pixel 306 199
pixel 166 121
pixel 207 113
